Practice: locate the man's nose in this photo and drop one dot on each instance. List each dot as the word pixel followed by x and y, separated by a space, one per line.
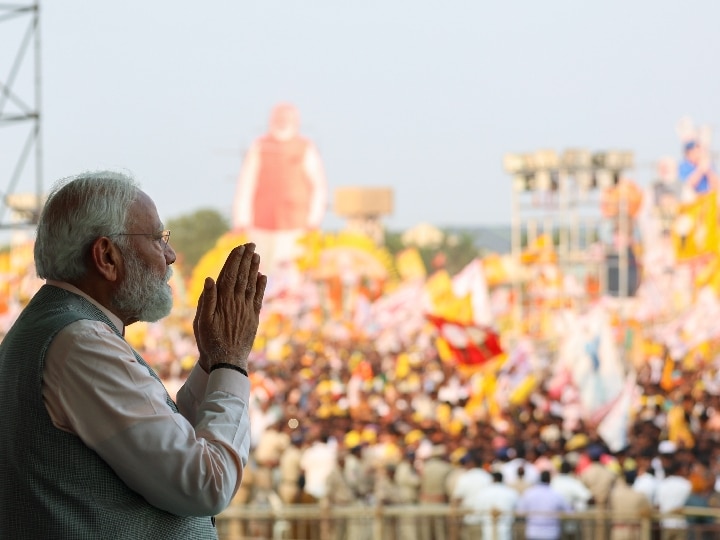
pixel 170 255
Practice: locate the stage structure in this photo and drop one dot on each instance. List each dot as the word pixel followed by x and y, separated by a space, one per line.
pixel 21 172
pixel 363 208
pixel 570 218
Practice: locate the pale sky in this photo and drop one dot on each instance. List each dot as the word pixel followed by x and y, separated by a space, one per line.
pixel 421 96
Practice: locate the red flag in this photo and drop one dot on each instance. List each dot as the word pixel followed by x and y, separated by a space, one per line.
pixel 471 345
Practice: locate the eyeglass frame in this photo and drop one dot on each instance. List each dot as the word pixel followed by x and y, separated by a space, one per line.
pixel 164 235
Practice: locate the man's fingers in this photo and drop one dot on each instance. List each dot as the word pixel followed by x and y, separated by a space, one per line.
pixel 252 276
pixel 196 320
pixel 209 300
pixel 260 284
pixel 230 272
pixel 244 273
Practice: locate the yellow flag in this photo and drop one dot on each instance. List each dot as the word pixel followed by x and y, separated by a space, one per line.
pixel 709 275
pixel 495 271
pixel 695 229
pixel 402 366
pixel 409 264
pixel 522 391
pixel 667 381
pixel 439 284
pixel 444 303
pixel 444 351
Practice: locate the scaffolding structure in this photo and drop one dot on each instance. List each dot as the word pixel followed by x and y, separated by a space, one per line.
pixel 558 199
pixel 21 170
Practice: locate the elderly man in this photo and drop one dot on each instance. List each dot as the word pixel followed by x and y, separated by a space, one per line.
pixel 92 444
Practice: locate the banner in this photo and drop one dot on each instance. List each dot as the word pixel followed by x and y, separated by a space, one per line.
pixel 614 427
pixel 466 344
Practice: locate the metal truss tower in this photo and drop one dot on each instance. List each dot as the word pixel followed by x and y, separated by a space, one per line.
pixel 21 178
pixel 558 198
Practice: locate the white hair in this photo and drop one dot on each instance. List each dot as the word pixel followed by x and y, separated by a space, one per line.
pixel 80 209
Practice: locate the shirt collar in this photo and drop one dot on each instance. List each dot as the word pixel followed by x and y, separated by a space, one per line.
pixel 110 315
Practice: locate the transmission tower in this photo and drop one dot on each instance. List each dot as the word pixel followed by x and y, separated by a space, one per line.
pixel 21 183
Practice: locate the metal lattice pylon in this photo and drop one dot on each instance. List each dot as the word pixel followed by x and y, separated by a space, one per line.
pixel 21 184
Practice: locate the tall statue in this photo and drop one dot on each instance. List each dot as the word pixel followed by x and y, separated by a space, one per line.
pixel 281 191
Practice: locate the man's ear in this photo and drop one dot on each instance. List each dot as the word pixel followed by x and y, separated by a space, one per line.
pixel 106 258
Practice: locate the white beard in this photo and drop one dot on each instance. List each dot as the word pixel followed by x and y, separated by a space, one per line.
pixel 143 294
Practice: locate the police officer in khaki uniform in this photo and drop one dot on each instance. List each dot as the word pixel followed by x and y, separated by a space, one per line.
pixel 627 507
pixel 433 483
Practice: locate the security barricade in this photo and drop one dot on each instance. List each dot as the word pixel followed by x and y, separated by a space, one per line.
pixel 448 522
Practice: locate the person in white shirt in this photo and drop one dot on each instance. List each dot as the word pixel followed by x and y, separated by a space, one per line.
pixel 317 462
pixel 493 506
pixel 646 482
pixel 671 495
pixel 469 482
pixel 569 486
pixel 575 493
pixel 510 468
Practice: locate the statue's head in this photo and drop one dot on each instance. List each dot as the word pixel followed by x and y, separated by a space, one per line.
pixel 284 121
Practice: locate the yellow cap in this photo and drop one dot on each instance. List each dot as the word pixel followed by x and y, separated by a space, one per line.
pixel 369 436
pixel 457 455
pixel 414 436
pixel 576 442
pixel 352 439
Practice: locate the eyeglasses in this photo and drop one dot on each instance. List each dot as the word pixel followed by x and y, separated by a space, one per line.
pixel 163 236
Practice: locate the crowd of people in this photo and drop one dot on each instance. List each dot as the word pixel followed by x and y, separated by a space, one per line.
pixel 324 431
pixel 343 418
pixel 346 416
